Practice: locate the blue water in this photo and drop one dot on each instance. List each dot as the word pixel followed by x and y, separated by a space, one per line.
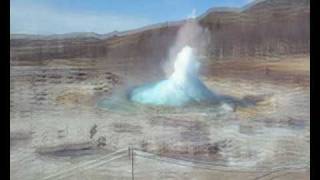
pixel 168 92
pixel 181 88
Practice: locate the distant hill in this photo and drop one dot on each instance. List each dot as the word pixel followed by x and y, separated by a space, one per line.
pixel 75 35
pixel 262 28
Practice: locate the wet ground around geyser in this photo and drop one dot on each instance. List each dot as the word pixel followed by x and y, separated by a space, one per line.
pixel 53 132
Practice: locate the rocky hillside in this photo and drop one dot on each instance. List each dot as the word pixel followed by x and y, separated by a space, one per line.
pixel 263 28
pixel 267 27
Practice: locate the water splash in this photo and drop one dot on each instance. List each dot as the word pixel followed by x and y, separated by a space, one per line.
pixel 182 87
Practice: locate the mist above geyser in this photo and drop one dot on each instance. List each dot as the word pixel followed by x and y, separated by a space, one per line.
pixel 183 85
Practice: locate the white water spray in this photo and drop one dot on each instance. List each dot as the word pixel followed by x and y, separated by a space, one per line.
pixel 182 87
pixel 184 66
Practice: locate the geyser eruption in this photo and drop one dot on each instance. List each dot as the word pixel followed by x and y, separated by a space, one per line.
pixel 182 87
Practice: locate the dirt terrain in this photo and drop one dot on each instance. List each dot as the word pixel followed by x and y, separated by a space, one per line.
pixel 59 132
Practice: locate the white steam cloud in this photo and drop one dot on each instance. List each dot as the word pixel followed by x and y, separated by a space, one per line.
pixel 190 34
pixel 182 85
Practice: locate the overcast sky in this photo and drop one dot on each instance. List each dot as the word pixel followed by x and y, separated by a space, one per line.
pixel 103 16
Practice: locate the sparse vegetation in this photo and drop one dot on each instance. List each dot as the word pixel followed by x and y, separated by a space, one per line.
pixel 93 131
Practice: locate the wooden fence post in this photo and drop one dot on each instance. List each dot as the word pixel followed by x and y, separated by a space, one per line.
pixel 132 163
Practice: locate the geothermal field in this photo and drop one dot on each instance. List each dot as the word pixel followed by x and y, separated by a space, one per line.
pixel 119 108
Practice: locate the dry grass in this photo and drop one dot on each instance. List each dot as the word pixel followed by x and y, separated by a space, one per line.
pixel 288 69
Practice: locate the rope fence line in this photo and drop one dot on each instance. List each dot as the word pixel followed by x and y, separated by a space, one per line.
pixel 92 162
pixel 94 166
pixel 134 152
pixel 208 165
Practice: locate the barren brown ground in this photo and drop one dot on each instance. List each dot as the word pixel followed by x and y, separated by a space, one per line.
pixel 54 109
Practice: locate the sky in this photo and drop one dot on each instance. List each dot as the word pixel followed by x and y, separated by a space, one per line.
pixel 103 16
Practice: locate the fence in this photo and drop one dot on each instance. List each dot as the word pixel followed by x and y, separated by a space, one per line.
pixel 134 153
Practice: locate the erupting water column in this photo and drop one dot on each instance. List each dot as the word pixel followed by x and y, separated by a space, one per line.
pixel 182 87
